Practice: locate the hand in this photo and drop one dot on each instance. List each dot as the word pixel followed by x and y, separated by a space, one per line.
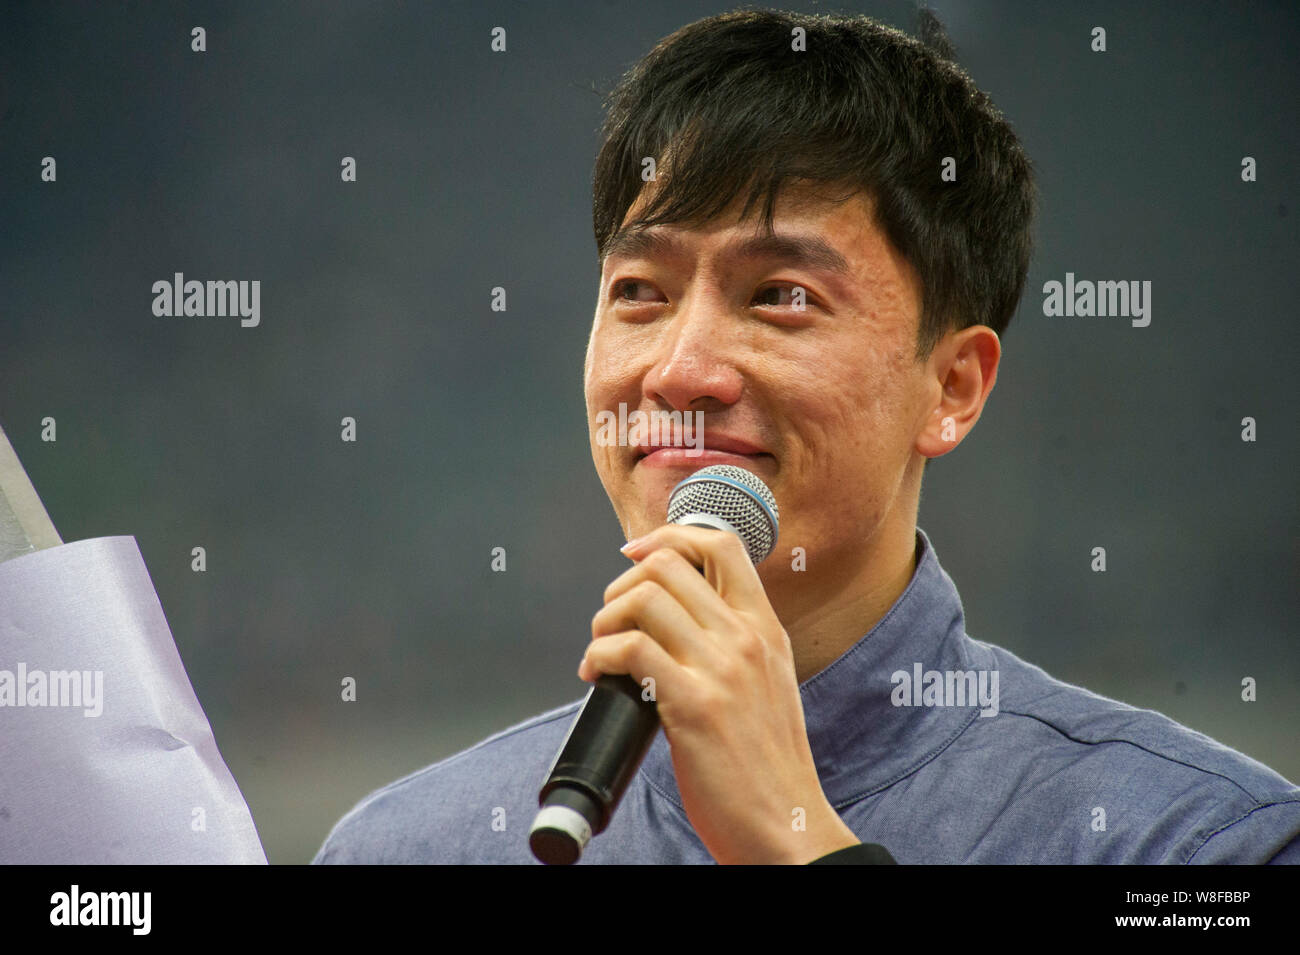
pixel 727 694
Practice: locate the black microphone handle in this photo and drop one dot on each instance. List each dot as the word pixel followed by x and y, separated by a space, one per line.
pixel 604 749
pixel 608 740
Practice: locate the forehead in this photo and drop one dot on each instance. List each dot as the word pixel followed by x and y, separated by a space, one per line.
pixel 849 214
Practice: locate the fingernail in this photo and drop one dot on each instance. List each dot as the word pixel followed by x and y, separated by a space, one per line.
pixel 631 545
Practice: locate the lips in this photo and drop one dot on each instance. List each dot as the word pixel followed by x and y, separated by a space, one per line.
pixel 717 449
pixel 712 442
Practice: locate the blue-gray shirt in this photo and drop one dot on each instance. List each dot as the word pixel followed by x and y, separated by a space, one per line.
pixel 1051 774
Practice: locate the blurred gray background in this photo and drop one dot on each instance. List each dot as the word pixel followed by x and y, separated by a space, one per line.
pixel 371 560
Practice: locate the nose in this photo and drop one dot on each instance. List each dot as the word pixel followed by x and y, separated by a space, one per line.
pixel 695 369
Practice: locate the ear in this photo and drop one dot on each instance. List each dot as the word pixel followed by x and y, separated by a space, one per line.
pixel 963 369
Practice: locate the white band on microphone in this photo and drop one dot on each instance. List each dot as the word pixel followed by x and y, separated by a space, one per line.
pixel 707 520
pixel 566 820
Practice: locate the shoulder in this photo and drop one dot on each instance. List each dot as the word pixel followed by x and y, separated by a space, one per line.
pixel 1175 794
pixel 458 809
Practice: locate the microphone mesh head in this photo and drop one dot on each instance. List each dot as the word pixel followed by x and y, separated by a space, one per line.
pixel 734 495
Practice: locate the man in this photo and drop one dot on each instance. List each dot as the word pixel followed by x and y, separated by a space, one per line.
pixel 832 235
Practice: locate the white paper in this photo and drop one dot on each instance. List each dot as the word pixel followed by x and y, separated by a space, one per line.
pixel 141 781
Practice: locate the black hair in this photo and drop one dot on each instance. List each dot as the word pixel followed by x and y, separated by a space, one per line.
pixel 727 103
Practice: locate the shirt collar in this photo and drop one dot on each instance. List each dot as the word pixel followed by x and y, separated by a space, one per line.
pixel 861 741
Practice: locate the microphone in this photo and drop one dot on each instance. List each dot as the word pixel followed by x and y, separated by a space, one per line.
pixel 616 725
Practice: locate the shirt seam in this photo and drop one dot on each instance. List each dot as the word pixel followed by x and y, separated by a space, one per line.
pixel 1136 745
pixel 1249 812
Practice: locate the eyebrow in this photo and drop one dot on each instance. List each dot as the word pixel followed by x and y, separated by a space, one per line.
pixel 798 251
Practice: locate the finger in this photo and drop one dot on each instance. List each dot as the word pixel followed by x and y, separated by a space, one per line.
pixel 683 581
pixel 632 652
pixel 720 554
pixel 650 608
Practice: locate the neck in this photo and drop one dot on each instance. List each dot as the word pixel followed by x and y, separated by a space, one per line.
pixel 825 613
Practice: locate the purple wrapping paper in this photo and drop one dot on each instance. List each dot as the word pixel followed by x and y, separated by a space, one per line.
pixel 140 782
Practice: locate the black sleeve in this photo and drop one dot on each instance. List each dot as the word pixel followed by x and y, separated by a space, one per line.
pixel 864 853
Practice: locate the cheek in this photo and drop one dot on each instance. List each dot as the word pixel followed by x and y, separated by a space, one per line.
pixel 613 359
pixel 851 419
pixel 847 407
pixel 603 378
pixel 607 382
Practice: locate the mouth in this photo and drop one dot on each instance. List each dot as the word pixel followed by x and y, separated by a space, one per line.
pixel 717 449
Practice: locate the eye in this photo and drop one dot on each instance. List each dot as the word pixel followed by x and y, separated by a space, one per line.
pixel 766 295
pixel 635 286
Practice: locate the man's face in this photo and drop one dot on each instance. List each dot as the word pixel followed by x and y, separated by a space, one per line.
pixel 824 403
